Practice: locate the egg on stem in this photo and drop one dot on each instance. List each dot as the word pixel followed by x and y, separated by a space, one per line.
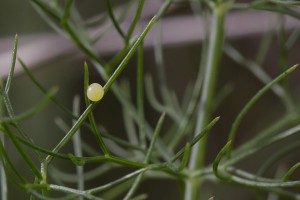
pixel 95 92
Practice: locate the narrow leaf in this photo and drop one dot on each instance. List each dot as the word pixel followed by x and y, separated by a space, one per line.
pixel 12 66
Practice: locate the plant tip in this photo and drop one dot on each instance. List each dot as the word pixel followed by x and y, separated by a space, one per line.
pixel 293 68
pixel 54 90
pixel 296 65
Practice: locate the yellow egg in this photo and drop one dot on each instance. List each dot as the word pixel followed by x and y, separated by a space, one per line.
pixel 95 92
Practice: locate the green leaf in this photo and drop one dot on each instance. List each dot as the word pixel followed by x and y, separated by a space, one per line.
pixel 113 19
pixel 185 158
pixel 12 66
pixel 221 174
pixel 290 172
pixel 126 59
pixel 196 139
pixel 33 111
pixel 252 101
pixel 22 152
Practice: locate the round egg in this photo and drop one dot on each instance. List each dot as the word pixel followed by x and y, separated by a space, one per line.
pixel 95 92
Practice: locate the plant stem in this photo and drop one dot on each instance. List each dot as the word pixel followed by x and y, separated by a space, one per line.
pixel 113 18
pixel 205 105
pixel 140 96
pixel 3 178
pixel 77 145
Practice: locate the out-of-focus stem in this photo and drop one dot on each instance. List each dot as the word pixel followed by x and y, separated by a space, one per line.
pixel 192 186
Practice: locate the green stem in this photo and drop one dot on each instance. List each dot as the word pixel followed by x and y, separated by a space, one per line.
pixel 116 182
pixel 11 114
pixel 140 96
pixel 25 156
pixel 205 107
pixel 115 22
pixel 126 59
pixel 3 178
pixel 139 179
pixel 252 101
pixel 290 172
pixel 12 67
pixel 77 146
pixel 72 131
pixel 135 20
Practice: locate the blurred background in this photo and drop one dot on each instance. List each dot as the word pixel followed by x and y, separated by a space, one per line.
pixel 56 61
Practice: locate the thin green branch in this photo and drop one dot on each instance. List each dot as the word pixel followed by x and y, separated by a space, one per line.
pixel 99 159
pixel 287 2
pixel 3 176
pixel 140 94
pixel 292 39
pixel 128 119
pixel 159 64
pixel 136 19
pixel 72 33
pixel 43 197
pixel 264 47
pixel 12 179
pixel 113 63
pixel 138 180
pixel 88 175
pixel 262 184
pixel 71 132
pixel 164 8
pixel 281 124
pixel 207 95
pixel 46 10
pixel 40 149
pixel 271 160
pixel 12 66
pixel 263 143
pixel 279 9
pixel 69 113
pixel 290 172
pixel 113 19
pixel 221 173
pixel 98 134
pixel 126 59
pixel 22 152
pixel 196 139
pixel 73 191
pixel 65 128
pixel 11 114
pixel 5 160
pixel 260 74
pixel 117 182
pixel 69 28
pixel 77 146
pixel 33 111
pixel 67 11
pixel 91 116
pixel 185 159
pixel 251 103
pixel 161 147
pixel 156 104
pixel 44 91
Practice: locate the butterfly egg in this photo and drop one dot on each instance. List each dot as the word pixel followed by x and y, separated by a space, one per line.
pixel 95 92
